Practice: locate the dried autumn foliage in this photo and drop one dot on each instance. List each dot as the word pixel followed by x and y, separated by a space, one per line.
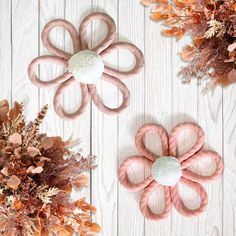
pixel 37 174
pixel 212 26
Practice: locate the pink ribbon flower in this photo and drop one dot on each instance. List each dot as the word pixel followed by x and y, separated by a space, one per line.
pixel 85 66
pixel 170 169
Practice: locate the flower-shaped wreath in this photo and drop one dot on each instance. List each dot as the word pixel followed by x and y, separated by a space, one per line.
pixel 169 170
pixel 85 66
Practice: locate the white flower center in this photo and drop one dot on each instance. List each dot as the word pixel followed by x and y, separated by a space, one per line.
pixel 86 66
pixel 166 170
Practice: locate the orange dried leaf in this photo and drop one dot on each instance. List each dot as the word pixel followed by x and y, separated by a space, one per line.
pixel 158 16
pixel 4 171
pixel 188 53
pixel 161 1
pixel 15 139
pixel 232 76
pixel 234 6
pixel 13 182
pixel 15 111
pixel 67 188
pixel 197 41
pixel 146 3
pixel 17 204
pixel 37 170
pixel 32 151
pixel 2 199
pixel 80 181
pixel 232 47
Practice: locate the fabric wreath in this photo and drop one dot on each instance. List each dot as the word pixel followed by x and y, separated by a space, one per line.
pixel 170 170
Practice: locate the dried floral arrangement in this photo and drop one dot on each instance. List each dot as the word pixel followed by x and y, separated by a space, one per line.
pixel 212 27
pixel 37 174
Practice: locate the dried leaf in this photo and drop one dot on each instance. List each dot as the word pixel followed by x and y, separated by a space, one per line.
pixel 37 170
pixel 17 204
pixel 146 3
pixel 158 16
pixel 80 181
pixel 232 47
pixel 47 143
pixel 13 182
pixel 188 53
pixel 15 139
pixel 32 151
pixel 4 171
pixel 15 111
pixel 2 200
pixel 232 76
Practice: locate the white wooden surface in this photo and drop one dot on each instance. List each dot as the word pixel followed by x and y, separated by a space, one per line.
pixel 157 96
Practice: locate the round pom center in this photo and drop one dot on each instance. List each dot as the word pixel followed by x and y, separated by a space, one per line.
pixel 86 66
pixel 166 170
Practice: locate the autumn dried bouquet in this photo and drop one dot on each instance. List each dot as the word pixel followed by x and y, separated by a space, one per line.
pixel 37 174
pixel 212 27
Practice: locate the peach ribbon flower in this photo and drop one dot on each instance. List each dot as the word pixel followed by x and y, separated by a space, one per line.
pixel 96 54
pixel 170 167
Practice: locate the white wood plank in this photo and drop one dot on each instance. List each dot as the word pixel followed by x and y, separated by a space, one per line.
pixel 5 50
pixel 157 103
pixel 104 137
pixel 50 10
pixel 229 186
pixel 79 128
pixel 24 33
pixel 210 119
pixel 131 28
pixel 184 109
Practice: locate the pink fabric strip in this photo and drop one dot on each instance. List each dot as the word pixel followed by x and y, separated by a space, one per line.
pixel 110 34
pixel 199 156
pixel 47 84
pixel 79 42
pixel 174 135
pixel 72 31
pixel 189 178
pixel 178 203
pixel 139 60
pixel 123 176
pixel 98 100
pixel 58 96
pixel 145 209
pixel 139 140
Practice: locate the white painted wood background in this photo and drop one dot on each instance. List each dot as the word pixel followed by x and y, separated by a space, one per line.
pixel 157 96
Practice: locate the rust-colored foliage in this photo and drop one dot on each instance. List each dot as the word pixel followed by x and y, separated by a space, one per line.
pixel 212 26
pixel 37 174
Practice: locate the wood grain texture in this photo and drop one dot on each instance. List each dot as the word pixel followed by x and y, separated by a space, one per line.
pixel 6 50
pixel 157 95
pixel 229 152
pixel 104 135
pixel 131 28
pixel 24 33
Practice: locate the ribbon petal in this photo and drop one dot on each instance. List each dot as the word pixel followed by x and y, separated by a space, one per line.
pixel 110 34
pixel 58 95
pixel 199 156
pixel 145 209
pixel 45 59
pixel 98 100
pixel 53 49
pixel 179 204
pixel 173 140
pixel 139 140
pixel 139 60
pixel 123 175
